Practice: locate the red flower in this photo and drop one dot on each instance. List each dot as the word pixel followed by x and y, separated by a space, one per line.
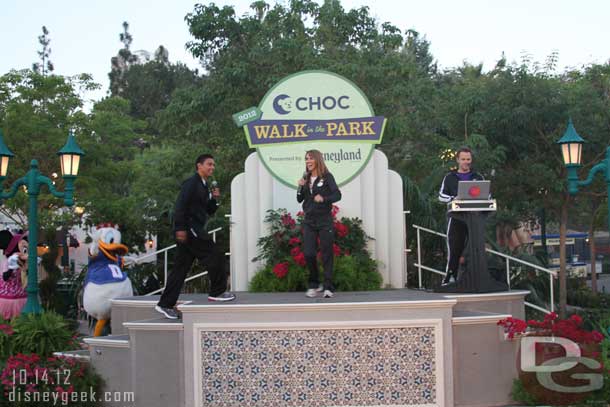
pixel 280 269
pixel 288 221
pixel 300 259
pixel 7 329
pixel 295 251
pixel 294 241
pixel 300 214
pixel 335 210
pixel 336 250
pixel 513 326
pixel 570 328
pixel 341 229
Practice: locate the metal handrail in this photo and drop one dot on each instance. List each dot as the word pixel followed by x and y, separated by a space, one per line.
pixel 552 274
pixel 185 280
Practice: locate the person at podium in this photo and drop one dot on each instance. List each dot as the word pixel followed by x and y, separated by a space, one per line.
pixel 317 190
pixel 457 232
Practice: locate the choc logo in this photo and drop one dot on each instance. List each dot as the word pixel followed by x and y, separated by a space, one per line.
pixel 283 104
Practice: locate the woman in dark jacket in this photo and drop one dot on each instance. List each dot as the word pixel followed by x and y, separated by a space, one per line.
pixel 318 191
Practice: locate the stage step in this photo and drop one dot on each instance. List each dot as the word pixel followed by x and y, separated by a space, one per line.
pixel 478 352
pixel 506 302
pixel 138 308
pixel 158 364
pixel 81 354
pixel 111 357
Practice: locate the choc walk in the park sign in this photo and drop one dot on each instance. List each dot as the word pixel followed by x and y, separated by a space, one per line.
pixel 313 110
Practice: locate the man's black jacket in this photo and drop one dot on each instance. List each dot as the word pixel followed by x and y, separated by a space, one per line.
pixel 193 206
pixel 327 188
pixel 449 187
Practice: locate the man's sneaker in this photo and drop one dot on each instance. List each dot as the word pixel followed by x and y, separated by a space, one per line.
pixel 311 293
pixel 169 313
pixel 328 294
pixel 226 296
pixel 449 279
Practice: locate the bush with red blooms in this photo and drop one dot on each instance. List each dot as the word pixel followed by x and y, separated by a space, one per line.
pixel 285 267
pixel 29 373
pixel 551 325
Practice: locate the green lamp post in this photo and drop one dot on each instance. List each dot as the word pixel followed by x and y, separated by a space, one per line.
pixel 69 157
pixel 571 149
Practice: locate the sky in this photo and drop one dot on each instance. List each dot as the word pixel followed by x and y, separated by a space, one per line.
pixel 85 34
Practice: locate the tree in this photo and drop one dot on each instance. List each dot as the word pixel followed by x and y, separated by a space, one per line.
pixel 36 113
pixel 109 171
pixel 45 64
pixel 149 87
pixel 120 63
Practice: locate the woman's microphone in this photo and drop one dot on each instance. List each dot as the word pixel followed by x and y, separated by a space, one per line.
pixel 300 189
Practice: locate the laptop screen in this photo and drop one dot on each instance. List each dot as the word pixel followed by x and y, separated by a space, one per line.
pixel 473 190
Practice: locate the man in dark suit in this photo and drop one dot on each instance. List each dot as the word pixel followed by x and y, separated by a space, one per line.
pixel 196 202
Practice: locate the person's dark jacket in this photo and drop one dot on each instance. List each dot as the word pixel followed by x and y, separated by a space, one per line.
pixel 449 187
pixel 193 206
pixel 324 186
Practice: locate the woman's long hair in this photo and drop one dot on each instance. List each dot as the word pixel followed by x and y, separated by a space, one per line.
pixel 319 160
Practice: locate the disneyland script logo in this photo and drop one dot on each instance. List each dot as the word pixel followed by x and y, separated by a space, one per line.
pixel 312 110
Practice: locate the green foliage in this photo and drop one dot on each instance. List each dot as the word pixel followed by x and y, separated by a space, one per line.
pixel 6 333
pixel 265 281
pixel 36 112
pixel 356 273
pixel 42 334
pixel 520 394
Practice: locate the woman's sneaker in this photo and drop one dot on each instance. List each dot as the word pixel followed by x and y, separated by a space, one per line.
pixel 328 294
pixel 226 296
pixel 313 292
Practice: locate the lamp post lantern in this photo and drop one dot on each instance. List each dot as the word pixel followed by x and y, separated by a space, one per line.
pixel 69 157
pixel 571 149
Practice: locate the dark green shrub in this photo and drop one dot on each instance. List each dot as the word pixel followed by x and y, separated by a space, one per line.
pixel 42 334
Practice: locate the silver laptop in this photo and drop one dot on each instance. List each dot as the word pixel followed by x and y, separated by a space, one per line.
pixel 473 190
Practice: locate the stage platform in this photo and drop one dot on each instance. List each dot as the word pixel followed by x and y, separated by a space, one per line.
pixel 377 348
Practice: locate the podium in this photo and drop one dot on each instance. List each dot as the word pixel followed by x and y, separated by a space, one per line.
pixel 474 277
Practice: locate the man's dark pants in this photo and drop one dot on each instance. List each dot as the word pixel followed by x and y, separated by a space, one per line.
pixel 209 255
pixel 457 235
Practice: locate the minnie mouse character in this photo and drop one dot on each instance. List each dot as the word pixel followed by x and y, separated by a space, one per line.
pixel 14 273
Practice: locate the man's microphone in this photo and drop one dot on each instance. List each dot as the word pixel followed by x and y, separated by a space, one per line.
pixel 213 186
pixel 300 189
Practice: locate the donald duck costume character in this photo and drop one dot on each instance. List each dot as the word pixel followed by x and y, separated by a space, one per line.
pixel 105 278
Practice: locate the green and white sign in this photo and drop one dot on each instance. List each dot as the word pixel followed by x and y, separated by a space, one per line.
pixel 313 110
